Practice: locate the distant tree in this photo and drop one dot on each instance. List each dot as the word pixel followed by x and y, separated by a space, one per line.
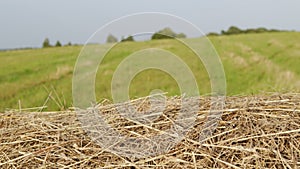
pixel 276 30
pixel 69 44
pixel 46 43
pixel 111 39
pixel 212 34
pixel 128 39
pixel 261 30
pixel 57 44
pixel 160 36
pixel 167 33
pixel 250 30
pixel 181 35
pixel 234 30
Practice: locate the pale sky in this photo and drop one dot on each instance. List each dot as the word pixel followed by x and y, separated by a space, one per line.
pixel 26 23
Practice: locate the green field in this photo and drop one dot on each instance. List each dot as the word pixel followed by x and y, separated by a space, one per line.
pixel 253 63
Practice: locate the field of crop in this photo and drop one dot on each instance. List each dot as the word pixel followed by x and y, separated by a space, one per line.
pixel 259 129
pixel 253 63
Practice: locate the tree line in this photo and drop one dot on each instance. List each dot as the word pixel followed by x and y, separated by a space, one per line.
pixel 166 33
pixel 233 30
pixel 47 44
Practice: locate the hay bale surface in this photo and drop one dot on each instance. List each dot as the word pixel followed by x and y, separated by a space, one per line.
pixel 255 132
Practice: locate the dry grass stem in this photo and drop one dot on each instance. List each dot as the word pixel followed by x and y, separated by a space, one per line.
pixel 254 132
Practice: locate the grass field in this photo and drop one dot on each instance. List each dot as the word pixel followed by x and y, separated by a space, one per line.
pixel 253 63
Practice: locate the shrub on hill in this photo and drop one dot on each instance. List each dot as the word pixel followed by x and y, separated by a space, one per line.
pixel 46 43
pixel 167 33
pixel 58 44
pixel 111 39
pixel 128 39
pixel 212 34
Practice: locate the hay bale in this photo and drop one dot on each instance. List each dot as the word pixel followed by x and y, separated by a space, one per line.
pixel 255 132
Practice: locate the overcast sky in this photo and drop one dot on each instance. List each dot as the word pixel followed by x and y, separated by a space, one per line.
pixel 26 23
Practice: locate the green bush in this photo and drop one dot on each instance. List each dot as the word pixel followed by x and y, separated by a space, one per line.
pixel 111 39
pixel 128 39
pixel 58 44
pixel 167 33
pixel 46 43
pixel 212 34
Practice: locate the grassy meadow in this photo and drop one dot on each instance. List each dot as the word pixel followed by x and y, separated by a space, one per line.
pixel 253 63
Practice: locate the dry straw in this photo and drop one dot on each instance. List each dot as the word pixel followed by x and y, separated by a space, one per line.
pixel 255 132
